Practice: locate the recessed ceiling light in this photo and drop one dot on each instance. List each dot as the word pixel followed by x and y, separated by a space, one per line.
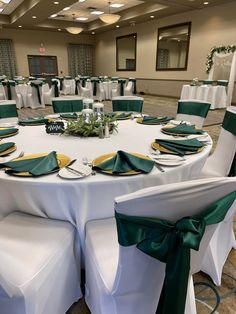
pixel 117 26
pixel 59 29
pixel 96 12
pixel 20 26
pixel 152 16
pixel 6 1
pixel 1 10
pixel 53 15
pixel 66 9
pixel 81 0
pixel 82 18
pixel 56 2
pixel 34 17
pixel 93 33
pixel 206 2
pixel 116 5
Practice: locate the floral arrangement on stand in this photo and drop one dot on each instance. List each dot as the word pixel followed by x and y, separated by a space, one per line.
pixel 84 128
pixel 195 82
pixel 220 49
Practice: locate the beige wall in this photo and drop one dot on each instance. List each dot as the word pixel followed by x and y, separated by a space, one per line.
pixel 210 27
pixel 27 42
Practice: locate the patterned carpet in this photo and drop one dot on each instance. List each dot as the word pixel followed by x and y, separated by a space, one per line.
pixel 207 295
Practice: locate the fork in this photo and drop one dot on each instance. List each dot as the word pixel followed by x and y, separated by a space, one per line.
pixel 20 155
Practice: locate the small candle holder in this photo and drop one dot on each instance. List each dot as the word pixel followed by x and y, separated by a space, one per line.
pixel 98 109
pixel 88 103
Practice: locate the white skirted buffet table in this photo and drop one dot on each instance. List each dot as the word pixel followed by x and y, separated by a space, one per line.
pixel 215 95
pixel 79 201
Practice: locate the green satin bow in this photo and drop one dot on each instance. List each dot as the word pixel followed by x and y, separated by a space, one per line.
pixel 171 243
pixel 56 90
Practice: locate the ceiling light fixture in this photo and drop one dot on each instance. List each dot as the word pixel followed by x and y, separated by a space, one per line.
pixel 74 29
pixel 97 12
pixel 82 18
pixel 152 16
pixel 109 18
pixel 116 5
pixel 56 2
pixel 19 26
pixel 34 17
pixel 81 0
pixel 206 2
pixel 66 9
pixel 53 15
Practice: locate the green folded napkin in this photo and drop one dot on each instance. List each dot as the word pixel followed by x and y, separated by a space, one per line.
pixel 180 147
pixel 69 115
pixel 35 166
pixel 123 162
pixel 150 119
pixel 8 131
pixel 6 146
pixel 33 121
pixel 123 115
pixel 183 129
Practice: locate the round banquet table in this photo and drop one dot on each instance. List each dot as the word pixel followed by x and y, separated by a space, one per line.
pixel 79 201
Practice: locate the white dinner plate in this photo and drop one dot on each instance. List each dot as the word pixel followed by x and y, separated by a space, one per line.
pixel 69 175
pixel 177 122
pixel 169 160
pixel 52 116
pixel 8 124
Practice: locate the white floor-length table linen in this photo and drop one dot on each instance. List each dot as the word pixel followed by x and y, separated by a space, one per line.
pixel 79 201
pixel 216 95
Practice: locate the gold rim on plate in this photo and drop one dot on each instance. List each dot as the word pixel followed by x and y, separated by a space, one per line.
pixel 140 120
pixel 162 149
pixel 9 135
pixel 62 160
pixel 176 134
pixel 122 118
pixel 106 157
pixel 8 151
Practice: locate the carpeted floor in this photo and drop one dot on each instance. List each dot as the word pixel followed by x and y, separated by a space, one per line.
pixel 206 297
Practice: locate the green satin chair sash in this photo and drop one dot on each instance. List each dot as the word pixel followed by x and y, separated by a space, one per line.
pixel 232 172
pixel 68 77
pixel 222 83
pixel 8 84
pixel 77 82
pixel 135 85
pixel 95 81
pixel 229 122
pixel 56 90
pixel 37 84
pixel 115 78
pixel 122 84
pixel 193 108
pixel 73 105
pixel 8 111
pixel 61 79
pixel 84 79
pixel 171 243
pixel 208 82
pixel 127 105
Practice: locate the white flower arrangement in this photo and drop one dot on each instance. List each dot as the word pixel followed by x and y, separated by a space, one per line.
pixel 219 49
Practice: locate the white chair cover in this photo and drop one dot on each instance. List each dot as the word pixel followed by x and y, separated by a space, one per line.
pixel 224 68
pixel 2 93
pixel 32 99
pixel 128 90
pixel 15 96
pixel 86 92
pixel 39 270
pixel 125 280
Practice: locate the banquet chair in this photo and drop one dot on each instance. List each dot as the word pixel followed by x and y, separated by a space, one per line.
pixel 119 90
pixel 100 92
pixel 2 92
pixel 85 92
pixel 217 165
pixel 67 86
pixel 130 88
pixel 8 111
pixel 120 278
pixel 35 99
pixel 193 111
pixel 10 91
pixel 67 104
pixel 53 92
pixel 127 103
pixel 40 269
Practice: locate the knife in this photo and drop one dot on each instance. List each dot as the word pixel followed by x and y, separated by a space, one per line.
pixel 158 167
pixel 74 171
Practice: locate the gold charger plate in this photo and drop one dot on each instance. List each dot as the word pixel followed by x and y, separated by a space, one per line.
pixel 8 151
pixel 175 134
pixel 157 146
pixel 140 120
pixel 122 118
pixel 106 157
pixel 62 160
pixel 8 135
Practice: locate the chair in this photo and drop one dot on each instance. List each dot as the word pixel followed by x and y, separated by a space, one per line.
pixel 40 272
pixel 8 111
pixel 85 92
pixel 97 89
pixel 130 89
pixel 10 91
pixel 194 111
pixel 217 165
pixel 67 104
pixel 2 92
pixel 35 99
pixel 127 103
pixel 67 86
pixel 53 92
pixel 119 90
pixel 123 279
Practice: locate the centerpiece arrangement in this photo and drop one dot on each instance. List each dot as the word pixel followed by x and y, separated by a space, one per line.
pixel 92 123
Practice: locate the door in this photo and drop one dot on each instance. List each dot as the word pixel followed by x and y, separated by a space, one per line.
pixel 43 66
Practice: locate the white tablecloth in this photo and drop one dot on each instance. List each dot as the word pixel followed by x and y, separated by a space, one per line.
pixel 216 95
pixel 92 197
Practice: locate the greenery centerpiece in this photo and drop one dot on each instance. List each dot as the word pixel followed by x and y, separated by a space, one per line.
pixel 81 127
